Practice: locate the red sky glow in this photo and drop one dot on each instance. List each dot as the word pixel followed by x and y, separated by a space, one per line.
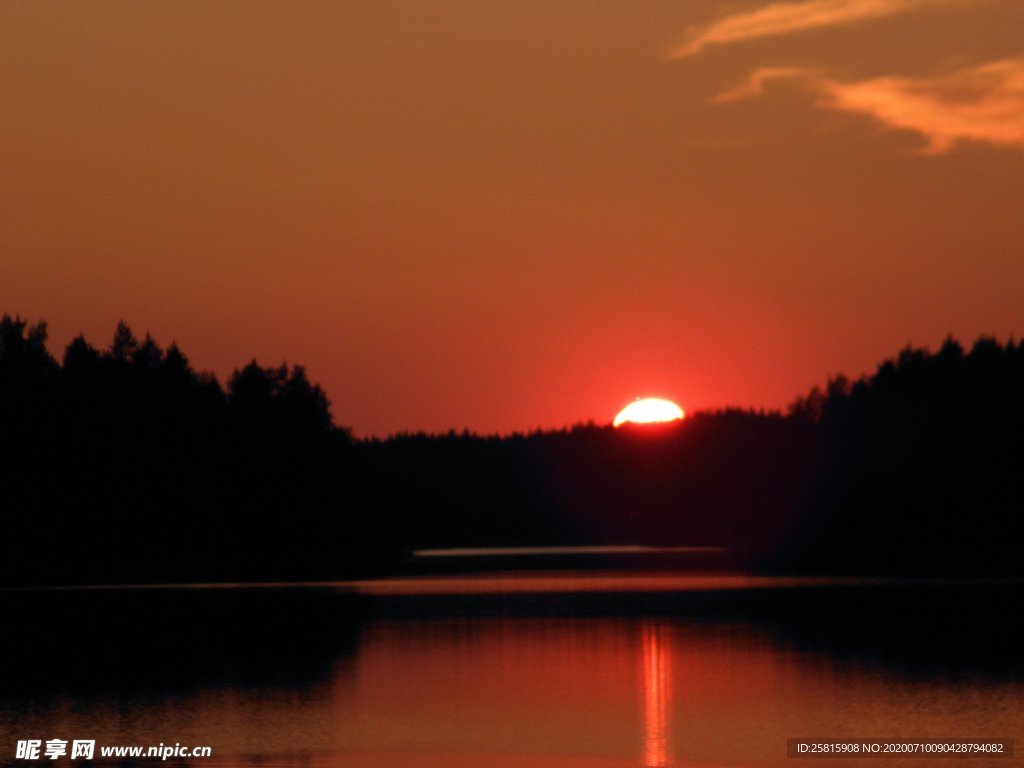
pixel 509 216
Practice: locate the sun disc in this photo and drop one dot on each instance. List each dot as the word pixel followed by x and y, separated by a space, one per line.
pixel 649 410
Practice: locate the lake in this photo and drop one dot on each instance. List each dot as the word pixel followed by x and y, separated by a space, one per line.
pixel 586 668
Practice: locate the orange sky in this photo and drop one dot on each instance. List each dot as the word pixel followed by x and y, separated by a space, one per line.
pixel 509 215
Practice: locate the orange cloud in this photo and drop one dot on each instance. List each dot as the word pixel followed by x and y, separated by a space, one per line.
pixel 754 85
pixel 982 104
pixel 785 17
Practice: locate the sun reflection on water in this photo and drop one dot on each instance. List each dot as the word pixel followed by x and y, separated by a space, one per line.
pixel 657 696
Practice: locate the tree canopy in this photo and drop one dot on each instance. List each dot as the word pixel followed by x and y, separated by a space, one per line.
pixel 126 464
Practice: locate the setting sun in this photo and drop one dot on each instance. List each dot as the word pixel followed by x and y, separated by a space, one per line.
pixel 649 410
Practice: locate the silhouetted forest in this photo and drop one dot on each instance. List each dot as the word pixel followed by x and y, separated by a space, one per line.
pixel 124 464
pixel 127 465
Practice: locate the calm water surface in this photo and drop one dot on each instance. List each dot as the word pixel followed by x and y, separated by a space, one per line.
pixel 568 669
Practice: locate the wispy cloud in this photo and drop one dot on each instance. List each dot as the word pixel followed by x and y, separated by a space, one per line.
pixel 982 104
pixel 782 18
pixel 754 85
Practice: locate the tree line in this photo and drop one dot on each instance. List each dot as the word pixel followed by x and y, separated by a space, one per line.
pixel 124 464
